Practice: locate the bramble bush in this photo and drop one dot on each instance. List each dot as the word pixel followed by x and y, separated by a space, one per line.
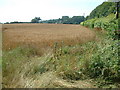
pixel 105 62
pixel 107 23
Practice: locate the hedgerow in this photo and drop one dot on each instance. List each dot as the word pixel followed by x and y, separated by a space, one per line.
pixel 105 62
pixel 107 23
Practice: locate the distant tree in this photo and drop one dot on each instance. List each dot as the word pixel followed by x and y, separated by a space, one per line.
pixel 14 22
pixel 36 20
pixel 65 17
pixel 66 20
pixel 86 17
pixel 77 19
pixel 7 23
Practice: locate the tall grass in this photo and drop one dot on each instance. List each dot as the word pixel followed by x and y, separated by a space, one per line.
pixel 91 60
pixel 20 63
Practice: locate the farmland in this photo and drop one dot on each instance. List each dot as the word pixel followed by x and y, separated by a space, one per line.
pixel 31 46
pixel 42 35
pixel 58 55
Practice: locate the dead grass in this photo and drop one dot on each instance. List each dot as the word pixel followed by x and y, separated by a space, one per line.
pixel 43 35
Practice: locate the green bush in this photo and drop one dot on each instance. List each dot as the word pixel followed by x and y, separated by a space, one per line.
pixel 107 23
pixel 105 62
pixel 89 23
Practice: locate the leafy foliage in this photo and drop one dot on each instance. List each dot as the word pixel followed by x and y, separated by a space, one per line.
pixel 36 20
pixel 104 62
pixel 108 23
pixel 73 20
pixel 102 10
pixel 66 20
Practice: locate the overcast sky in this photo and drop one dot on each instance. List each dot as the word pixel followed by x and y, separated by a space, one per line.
pixel 25 10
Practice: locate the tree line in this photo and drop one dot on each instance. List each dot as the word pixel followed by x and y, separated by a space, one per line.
pixel 63 20
pixel 66 20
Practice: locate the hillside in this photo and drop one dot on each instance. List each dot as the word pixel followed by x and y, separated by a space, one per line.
pixel 103 17
pixel 104 9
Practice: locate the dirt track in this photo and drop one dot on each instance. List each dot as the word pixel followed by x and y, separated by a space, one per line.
pixel 41 34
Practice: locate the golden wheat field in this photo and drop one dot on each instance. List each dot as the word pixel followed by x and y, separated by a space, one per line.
pixel 42 35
